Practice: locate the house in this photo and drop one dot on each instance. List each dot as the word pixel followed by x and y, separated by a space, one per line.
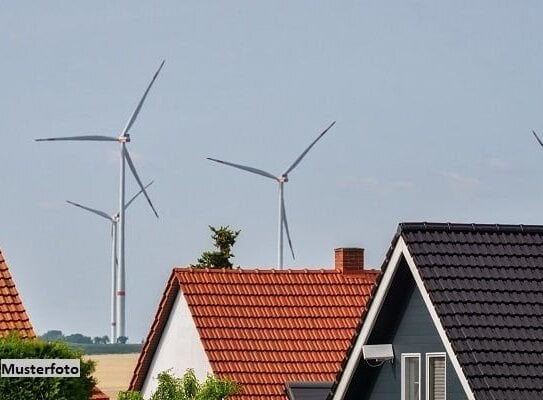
pixel 13 316
pixel 458 314
pixel 261 328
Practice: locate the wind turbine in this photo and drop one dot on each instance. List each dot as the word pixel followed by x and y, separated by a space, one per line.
pixel 281 179
pixel 123 139
pixel 114 219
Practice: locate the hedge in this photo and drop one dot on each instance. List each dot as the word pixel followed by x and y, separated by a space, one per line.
pixel 80 388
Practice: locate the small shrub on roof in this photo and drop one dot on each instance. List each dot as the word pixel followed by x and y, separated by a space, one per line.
pixel 224 239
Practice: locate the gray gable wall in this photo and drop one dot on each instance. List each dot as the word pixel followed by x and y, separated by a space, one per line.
pixel 405 322
pixel 416 333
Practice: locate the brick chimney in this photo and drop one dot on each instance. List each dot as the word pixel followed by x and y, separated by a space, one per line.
pixel 349 259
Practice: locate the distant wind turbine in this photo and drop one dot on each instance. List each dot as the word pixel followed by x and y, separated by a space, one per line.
pixel 281 179
pixel 114 219
pixel 125 158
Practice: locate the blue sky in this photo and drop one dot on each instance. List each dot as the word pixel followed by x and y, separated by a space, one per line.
pixel 434 102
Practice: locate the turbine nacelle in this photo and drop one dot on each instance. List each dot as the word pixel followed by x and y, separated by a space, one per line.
pixel 115 217
pixel 124 138
pixel 283 179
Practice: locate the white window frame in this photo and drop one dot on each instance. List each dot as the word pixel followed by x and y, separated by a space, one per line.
pixel 428 357
pixel 404 356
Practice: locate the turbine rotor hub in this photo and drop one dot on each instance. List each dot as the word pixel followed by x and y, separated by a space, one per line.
pixel 283 178
pixel 125 138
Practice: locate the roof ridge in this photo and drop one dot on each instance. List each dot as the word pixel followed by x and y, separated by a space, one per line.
pixel 468 227
pixel 273 271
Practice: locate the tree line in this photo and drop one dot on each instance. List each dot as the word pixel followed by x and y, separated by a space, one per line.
pixel 78 338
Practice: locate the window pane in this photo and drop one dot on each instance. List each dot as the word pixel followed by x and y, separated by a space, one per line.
pixel 436 378
pixel 411 378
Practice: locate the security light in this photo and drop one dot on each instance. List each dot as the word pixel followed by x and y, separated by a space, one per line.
pixel 378 352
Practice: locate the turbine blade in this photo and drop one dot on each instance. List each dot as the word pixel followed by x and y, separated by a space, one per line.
pixel 92 210
pixel 133 169
pixel 285 224
pixel 136 195
pixel 94 138
pixel 297 161
pixel 538 139
pixel 245 168
pixel 138 108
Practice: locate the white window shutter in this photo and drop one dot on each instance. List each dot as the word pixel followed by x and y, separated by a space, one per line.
pixel 436 378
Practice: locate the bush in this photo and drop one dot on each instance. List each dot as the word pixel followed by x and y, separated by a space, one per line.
pixel 188 388
pixel 129 395
pixel 80 388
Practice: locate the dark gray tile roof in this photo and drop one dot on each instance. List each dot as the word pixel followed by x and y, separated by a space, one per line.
pixel 486 283
pixel 308 390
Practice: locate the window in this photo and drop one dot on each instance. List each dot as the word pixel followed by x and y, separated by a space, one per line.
pixel 435 376
pixel 410 376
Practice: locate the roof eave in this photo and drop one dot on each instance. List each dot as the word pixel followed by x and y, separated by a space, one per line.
pixel 153 337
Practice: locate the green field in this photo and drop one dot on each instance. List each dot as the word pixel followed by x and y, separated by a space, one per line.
pixel 107 348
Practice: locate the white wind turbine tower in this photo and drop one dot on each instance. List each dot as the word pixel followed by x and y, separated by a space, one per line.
pixel 125 158
pixel 114 219
pixel 281 179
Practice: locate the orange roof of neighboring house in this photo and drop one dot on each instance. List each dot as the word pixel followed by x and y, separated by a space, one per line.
pixel 13 316
pixel 97 394
pixel 263 328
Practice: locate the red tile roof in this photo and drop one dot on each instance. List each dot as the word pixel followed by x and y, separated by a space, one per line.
pixel 263 328
pixel 13 316
pixel 97 394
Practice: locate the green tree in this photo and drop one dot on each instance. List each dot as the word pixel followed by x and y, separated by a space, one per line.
pixel 122 339
pixel 78 338
pixel 188 387
pixel 80 388
pixel 51 336
pixel 224 239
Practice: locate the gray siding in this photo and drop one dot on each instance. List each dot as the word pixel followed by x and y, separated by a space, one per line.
pixel 415 333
